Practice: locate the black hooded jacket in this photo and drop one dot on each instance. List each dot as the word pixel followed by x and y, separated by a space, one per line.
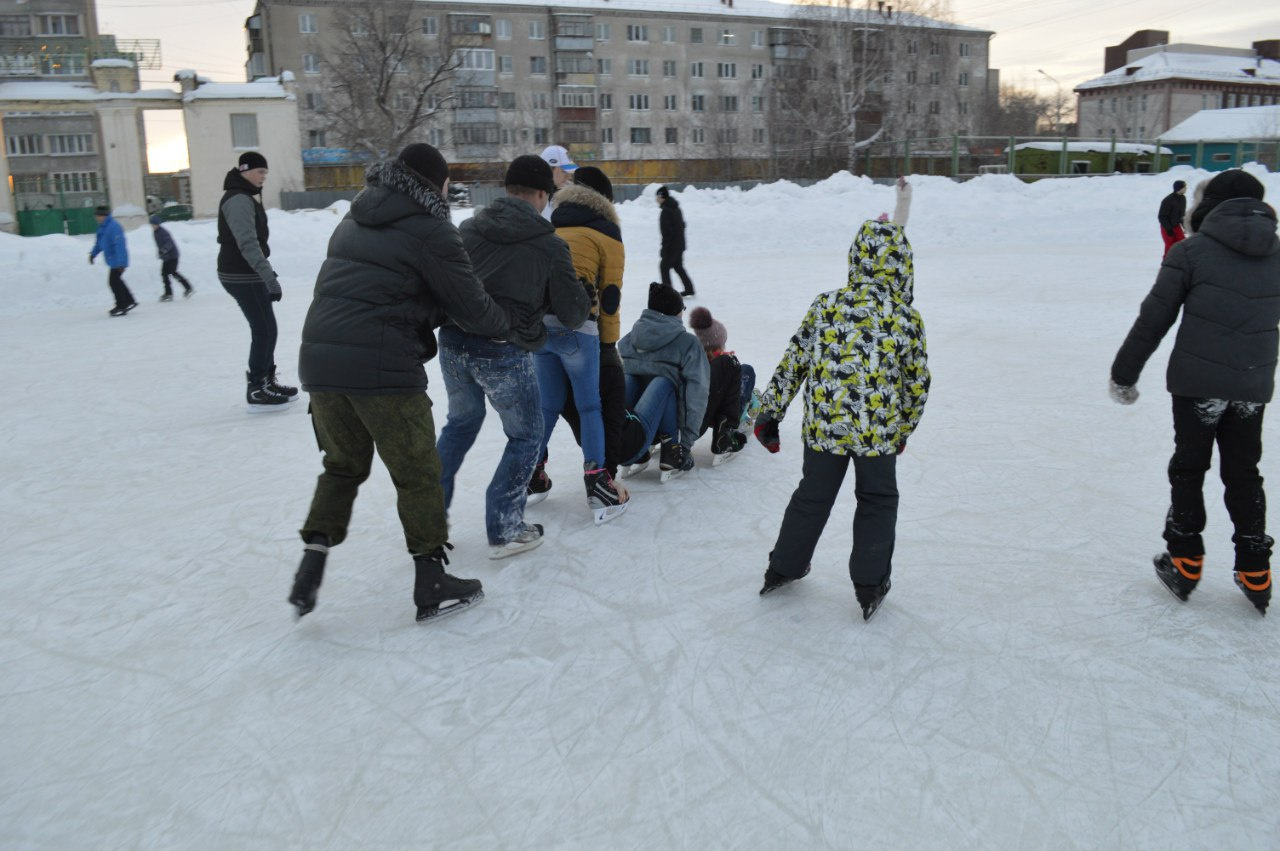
pixel 233 246
pixel 671 224
pixel 1226 283
pixel 396 270
pixel 1172 210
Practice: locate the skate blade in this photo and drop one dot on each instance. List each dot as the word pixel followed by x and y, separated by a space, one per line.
pixel 1168 582
pixel 724 458
pixel 632 469
pixel 513 548
pixel 263 409
pixel 453 608
pixel 535 498
pixel 668 475
pixel 609 512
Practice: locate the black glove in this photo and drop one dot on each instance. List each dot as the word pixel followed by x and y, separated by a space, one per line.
pixel 767 434
pixel 277 296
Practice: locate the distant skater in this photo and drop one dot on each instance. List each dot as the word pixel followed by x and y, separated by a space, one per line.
pixel 167 250
pixel 1172 210
pixel 110 244
pixel 671 224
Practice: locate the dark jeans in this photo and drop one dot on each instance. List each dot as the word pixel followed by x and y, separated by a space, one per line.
pixel 1236 427
pixel 255 304
pixel 874 520
pixel 652 400
pixel 675 261
pixel 115 279
pixel 400 428
pixel 170 267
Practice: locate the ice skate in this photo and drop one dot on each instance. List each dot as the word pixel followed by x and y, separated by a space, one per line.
pixel 539 484
pixel 291 393
pixel 774 580
pixel 433 588
pixel 674 460
pixel 1256 585
pixel 167 297
pixel 259 397
pixel 1179 575
pixel 526 539
pixel 871 596
pixel 606 499
pixel 726 442
pixel 626 471
pixel 309 576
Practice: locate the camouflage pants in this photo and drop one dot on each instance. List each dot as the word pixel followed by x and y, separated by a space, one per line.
pixel 400 428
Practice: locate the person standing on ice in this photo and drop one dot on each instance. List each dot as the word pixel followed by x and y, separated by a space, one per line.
pixel 167 250
pixel 395 271
pixel 246 274
pixel 1226 284
pixel 582 363
pixel 671 225
pixel 527 270
pixel 860 353
pixel 1172 210
pixel 111 245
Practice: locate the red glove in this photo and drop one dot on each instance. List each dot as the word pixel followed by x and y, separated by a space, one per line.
pixel 767 434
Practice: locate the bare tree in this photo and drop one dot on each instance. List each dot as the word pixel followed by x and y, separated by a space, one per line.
pixel 1019 112
pixel 386 86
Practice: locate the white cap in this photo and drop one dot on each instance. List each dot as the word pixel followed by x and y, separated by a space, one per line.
pixel 557 156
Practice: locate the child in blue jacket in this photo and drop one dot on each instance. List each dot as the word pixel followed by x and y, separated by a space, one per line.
pixel 110 244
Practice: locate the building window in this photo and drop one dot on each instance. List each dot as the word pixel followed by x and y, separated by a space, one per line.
pixel 729 103
pixel 537 30
pixel 757 72
pixel 935 48
pixel 310 63
pixel 911 107
pixel 604 67
pixel 912 47
pixel 935 77
pixel 539 100
pixel 577 97
pixel 506 64
pixel 963 107
pixel 477 59
pixel 727 70
pixel 502 28
pixel 315 101
pixel 537 65
pixel 638 67
pixel 757 103
pixel 964 48
pixel 698 103
pixel 695 69
pixel 435 136
pixel 669 102
pixel 606 135
pixel 963 79
pixel 669 35
pixel 506 100
pixel 244 130
pixel 24 146
pixel 315 139
pixel 606 101
pixel 637 32
pixel 757 38
pixel 431 26
pixel 75 181
pixel 58 24
pixel 70 143
pixel 541 136
pixel 668 67
pixel 638 102
pixel 1222 158
pixel 728 38
pixel 911 77
pixel 641 136
pixel 727 136
pixel 15 25
pixel 671 135
pixel 695 35
pixel 757 135
pixel 698 135
pixel 1142 104
pixel 935 107
pixel 307 25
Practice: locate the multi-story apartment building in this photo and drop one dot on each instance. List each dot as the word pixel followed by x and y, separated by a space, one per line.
pixel 709 81
pixel 1150 85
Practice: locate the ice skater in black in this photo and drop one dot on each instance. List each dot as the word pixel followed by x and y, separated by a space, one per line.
pixel 671 223
pixel 167 250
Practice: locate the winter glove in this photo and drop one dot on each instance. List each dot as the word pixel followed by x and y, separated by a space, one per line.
pixel 273 289
pixel 1122 393
pixel 902 447
pixel 277 295
pixel 767 433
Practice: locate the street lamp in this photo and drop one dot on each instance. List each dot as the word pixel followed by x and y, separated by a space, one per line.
pixel 1057 102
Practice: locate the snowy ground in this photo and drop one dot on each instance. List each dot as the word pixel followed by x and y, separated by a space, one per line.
pixel 1028 684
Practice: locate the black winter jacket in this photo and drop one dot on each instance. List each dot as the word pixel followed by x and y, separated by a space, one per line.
pixel 232 257
pixel 671 224
pixel 396 270
pixel 1226 282
pixel 525 268
pixel 1172 210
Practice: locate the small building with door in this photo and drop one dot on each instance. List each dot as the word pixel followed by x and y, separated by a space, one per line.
pixel 1219 139
pixel 1101 157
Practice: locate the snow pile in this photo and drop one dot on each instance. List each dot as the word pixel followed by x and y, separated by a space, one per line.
pixel 1027 684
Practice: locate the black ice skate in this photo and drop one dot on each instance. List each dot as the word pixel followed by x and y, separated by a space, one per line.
pixel 433 588
pixel 774 580
pixel 602 496
pixel 673 460
pixel 870 597
pixel 539 484
pixel 260 397
pixel 309 576
pixel 1179 575
pixel 291 393
pixel 726 442
pixel 1256 585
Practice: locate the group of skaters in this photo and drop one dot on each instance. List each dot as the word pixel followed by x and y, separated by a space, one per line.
pixel 110 243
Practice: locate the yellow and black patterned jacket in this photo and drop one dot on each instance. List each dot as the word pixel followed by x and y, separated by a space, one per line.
pixel 860 352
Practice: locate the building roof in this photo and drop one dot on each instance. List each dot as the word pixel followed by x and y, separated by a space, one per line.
pixel 263 87
pixel 81 92
pixel 1227 125
pixel 1181 62
pixel 1092 147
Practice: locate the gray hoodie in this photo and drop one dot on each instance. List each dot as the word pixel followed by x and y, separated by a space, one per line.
pixel 659 345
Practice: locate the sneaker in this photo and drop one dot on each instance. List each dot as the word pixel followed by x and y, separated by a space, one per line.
pixel 774 580
pixel 1179 575
pixel 526 539
pixel 167 297
pixel 539 484
pixel 604 498
pixel 260 397
pixel 871 596
pixel 433 588
pixel 1256 585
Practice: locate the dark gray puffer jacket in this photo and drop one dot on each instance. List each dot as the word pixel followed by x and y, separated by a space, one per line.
pixel 1226 282
pixel 396 270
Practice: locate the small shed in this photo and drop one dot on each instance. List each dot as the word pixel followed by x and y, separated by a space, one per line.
pixel 1219 139
pixel 1101 157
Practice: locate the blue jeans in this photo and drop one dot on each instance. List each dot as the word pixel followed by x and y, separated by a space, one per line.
pixel 652 400
pixel 476 368
pixel 571 358
pixel 748 385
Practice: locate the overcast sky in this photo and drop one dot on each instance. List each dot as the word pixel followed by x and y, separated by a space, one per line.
pixel 1063 38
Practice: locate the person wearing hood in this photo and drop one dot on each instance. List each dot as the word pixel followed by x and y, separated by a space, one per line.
pixel 671 225
pixel 109 242
pixel 396 270
pixel 1225 283
pixel 732 383
pixel 658 346
pixel 527 270
pixel 246 274
pixel 1172 210
pixel 580 366
pixel 860 354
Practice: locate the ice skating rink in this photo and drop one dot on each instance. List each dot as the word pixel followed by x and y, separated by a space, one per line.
pixel 1027 683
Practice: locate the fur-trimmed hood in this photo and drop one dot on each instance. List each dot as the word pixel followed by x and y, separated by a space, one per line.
pixel 393 192
pixel 582 206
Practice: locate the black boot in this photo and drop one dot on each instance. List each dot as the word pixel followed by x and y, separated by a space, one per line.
pixel 1253 569
pixel 432 586
pixel 281 389
pixel 261 397
pixel 870 597
pixel 1179 574
pixel 774 580
pixel 310 574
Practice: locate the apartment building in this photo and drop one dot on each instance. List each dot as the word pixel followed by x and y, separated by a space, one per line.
pixel 1150 85
pixel 645 80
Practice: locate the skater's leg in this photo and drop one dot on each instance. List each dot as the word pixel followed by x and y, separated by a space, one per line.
pixel 1239 451
pixel 1195 422
pixel 807 512
pixel 511 386
pixel 348 455
pixel 875 519
pixel 466 406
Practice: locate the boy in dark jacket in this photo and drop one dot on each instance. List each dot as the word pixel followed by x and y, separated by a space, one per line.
pixel 1226 285
pixel 167 250
pixel 1172 210
pixel 527 270
pixel 671 224
pixel 110 244
pixel 396 270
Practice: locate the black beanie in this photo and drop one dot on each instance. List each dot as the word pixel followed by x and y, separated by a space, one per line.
pixel 1179 184
pixel 664 192
pixel 1233 183
pixel 427 162
pixel 665 299
pixel 250 160
pixel 593 178
pixel 531 172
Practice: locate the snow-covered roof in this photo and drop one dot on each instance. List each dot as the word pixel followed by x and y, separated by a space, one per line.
pixel 1184 64
pixel 264 87
pixel 1092 147
pixel 59 91
pixel 1227 125
pixel 113 63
